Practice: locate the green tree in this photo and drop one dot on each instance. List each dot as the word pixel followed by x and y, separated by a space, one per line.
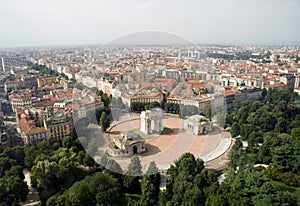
pixel 235 130
pixel 83 141
pixel 105 100
pixel 131 182
pixel 120 103
pixel 113 166
pixel 295 133
pixel 106 188
pixel 193 196
pixel 18 187
pixel 150 186
pixel 104 121
pixel 16 153
pixel 181 188
pixel 221 118
pixel 103 160
pixel 30 155
pixel 152 169
pixel 92 147
pixel 99 92
pixel 149 194
pixel 67 142
pixel 208 113
pixel 246 129
pixel 135 167
pixel 88 160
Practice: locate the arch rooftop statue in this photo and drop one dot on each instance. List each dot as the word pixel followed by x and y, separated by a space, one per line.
pixel 151 121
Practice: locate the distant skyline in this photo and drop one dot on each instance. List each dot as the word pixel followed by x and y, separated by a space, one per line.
pixel 55 22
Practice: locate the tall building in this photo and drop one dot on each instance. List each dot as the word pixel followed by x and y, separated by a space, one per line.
pixel 11 62
pixel 58 126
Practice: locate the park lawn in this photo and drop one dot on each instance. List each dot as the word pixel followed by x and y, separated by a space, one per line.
pixel 167 131
pixel 144 136
pixel 295 191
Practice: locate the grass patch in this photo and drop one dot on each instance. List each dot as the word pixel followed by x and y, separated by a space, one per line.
pixel 295 191
pixel 167 130
pixel 145 136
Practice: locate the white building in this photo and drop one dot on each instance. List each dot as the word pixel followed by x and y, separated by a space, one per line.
pixel 197 124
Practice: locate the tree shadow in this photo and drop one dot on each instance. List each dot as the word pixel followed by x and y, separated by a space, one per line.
pixel 115 132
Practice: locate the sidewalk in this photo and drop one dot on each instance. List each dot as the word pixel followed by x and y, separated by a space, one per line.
pixel 222 147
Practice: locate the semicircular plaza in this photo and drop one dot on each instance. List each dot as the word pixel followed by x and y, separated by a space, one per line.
pixel 164 149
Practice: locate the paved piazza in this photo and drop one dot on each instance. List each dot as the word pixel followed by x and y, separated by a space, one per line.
pixel 165 149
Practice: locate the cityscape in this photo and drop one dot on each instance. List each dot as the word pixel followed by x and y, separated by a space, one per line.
pixel 149 117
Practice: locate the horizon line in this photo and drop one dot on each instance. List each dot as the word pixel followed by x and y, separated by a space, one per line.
pixel 143 45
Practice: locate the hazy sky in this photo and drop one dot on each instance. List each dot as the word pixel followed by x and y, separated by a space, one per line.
pixel 57 22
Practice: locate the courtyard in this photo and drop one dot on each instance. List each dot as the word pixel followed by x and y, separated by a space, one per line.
pixel 164 149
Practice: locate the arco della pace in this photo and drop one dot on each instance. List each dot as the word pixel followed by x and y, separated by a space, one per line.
pixel 151 121
pixel 131 143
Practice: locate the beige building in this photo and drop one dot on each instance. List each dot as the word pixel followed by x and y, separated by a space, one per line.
pixel 200 102
pixel 20 99
pixel 142 98
pixel 12 85
pixel 147 98
pixel 29 131
pixel 46 81
pixel 197 124
pixel 127 144
pixel 58 128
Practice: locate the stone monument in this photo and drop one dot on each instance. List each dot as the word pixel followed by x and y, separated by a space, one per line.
pixel 197 124
pixel 151 121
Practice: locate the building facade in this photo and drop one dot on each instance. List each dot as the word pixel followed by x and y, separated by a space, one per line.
pixel 127 144
pixel 197 124
pixel 58 128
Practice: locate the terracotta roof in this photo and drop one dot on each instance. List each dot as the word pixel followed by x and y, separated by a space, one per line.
pixel 28 126
pixel 228 92
pixel 44 103
pixel 145 96
pixel 275 85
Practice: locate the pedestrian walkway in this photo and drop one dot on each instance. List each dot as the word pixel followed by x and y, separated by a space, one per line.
pixel 32 197
pixel 222 147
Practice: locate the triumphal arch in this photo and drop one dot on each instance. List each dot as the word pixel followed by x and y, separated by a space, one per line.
pixel 151 121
